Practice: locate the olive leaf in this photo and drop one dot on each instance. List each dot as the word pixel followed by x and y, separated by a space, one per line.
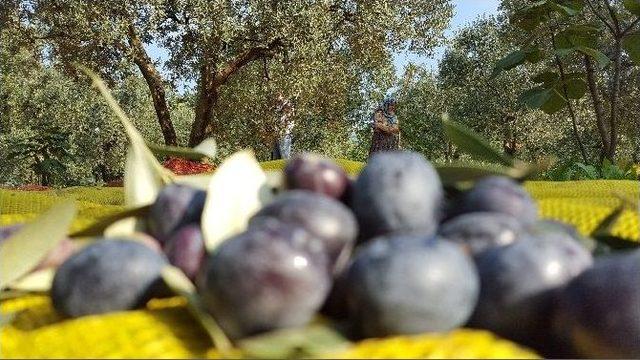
pixel 11 294
pixel 617 243
pixel 98 228
pixel 22 251
pixel 315 340
pixel 125 227
pixel 602 232
pixel 235 192
pixel 144 175
pixel 275 181
pixel 454 173
pixel 206 149
pixel 178 282
pixel 606 225
pixel 141 182
pixel 472 143
pixel 7 318
pixel 38 281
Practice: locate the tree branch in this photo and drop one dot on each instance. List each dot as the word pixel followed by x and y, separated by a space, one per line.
pixel 613 15
pixel 630 27
pixel 597 104
pixel 565 93
pixel 248 56
pixel 600 16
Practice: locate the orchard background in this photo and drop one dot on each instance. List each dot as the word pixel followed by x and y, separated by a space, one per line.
pixel 563 84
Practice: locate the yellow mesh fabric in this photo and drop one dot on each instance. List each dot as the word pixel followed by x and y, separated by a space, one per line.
pixel 93 203
pixel 166 330
pixel 459 344
pixel 586 203
pixel 350 166
pixel 163 330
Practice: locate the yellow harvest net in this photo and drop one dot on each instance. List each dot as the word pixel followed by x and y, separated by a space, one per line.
pixel 166 330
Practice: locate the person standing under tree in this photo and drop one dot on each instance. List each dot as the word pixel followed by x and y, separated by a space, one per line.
pixel 386 132
pixel 282 145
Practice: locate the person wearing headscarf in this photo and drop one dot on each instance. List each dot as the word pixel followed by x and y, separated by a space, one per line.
pixel 386 132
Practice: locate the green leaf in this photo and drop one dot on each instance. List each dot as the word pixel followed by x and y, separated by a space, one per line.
pixel 564 52
pixel 454 173
pixel 38 281
pixel 567 7
pixel 533 55
pixel 633 6
pixel 535 98
pixel 98 228
pixel 206 149
pixel 235 192
pixel 144 175
pixel 510 61
pixel 576 88
pixel 142 182
pixel 605 226
pixel 315 340
pixel 600 58
pixel 589 170
pixel 617 243
pixel 530 17
pixel 178 282
pixel 547 78
pixel 555 103
pixel 584 29
pixel 571 38
pixel 21 252
pixel 472 143
pixel 631 44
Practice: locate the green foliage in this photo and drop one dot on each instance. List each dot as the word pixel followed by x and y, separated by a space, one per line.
pixel 56 131
pixel 631 44
pixel 516 58
pixel 633 6
pixel 473 144
pixel 299 47
pixel 332 71
pixel 580 171
pixel 575 33
pixel 464 88
pixel 45 151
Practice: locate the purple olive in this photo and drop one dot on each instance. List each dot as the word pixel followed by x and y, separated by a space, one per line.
pixel 185 249
pixel 175 206
pixel 269 277
pixel 315 173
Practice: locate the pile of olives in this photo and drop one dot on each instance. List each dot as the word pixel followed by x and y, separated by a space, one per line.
pixel 387 253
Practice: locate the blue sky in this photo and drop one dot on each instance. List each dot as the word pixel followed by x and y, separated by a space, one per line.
pixel 465 12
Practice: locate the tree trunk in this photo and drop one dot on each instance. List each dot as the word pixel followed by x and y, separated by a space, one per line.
pixel 210 82
pixel 572 114
pixel 615 97
pixel 207 99
pixel 597 105
pixel 156 87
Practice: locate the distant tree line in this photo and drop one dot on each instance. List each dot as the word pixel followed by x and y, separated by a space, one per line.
pixel 545 78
